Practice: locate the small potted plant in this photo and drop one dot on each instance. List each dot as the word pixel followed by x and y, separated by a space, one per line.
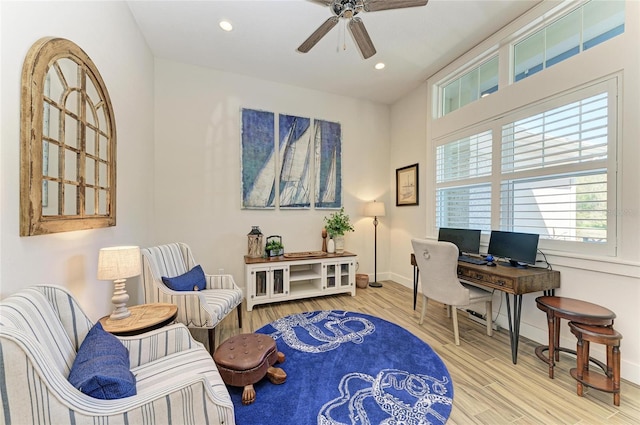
pixel 337 224
pixel 274 247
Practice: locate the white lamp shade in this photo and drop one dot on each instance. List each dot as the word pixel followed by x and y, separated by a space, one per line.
pixel 374 209
pixel 118 262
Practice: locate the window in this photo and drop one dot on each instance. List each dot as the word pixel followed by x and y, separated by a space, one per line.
pixel 579 30
pixel 479 82
pixel 463 175
pixel 554 172
pixel 551 176
pixel 68 145
pixel 573 32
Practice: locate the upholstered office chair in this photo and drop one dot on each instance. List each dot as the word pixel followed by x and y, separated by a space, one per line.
pixel 196 309
pixel 438 265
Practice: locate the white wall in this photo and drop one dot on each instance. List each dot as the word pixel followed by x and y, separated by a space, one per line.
pixel 611 282
pixel 107 32
pixel 197 166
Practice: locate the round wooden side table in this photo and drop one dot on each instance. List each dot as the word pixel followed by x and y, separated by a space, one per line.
pixel 573 310
pixel 610 381
pixel 144 318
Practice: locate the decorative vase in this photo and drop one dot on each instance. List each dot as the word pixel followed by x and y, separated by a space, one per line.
pixel 339 243
pixel 331 246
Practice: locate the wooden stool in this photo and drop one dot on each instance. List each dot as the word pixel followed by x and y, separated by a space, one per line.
pixel 610 382
pixel 573 310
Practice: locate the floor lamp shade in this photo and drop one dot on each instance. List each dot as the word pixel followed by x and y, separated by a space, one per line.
pixel 117 263
pixel 375 209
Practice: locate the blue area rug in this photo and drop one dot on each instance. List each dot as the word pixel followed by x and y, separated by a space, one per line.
pixel 349 368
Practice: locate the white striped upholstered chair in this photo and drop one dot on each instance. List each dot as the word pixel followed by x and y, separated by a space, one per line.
pixel 41 330
pixel 196 309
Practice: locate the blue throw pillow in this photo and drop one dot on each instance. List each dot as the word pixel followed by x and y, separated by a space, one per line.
pixel 101 368
pixel 193 280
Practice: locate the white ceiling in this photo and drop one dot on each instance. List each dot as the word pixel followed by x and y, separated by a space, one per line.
pixel 414 43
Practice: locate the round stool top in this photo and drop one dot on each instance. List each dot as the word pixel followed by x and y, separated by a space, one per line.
pixel 244 351
pixel 599 333
pixel 576 310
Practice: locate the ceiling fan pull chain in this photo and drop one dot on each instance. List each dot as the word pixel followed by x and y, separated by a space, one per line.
pixel 344 35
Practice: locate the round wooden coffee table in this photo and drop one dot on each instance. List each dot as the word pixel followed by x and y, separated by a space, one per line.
pixel 144 318
pixel 573 310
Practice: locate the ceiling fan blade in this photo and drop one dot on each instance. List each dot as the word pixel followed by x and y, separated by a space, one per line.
pixel 375 5
pixel 318 34
pixel 361 37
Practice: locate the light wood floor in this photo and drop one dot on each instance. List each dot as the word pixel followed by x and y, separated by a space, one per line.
pixel 488 387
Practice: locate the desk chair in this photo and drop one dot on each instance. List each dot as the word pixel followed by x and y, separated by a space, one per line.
pixel 438 265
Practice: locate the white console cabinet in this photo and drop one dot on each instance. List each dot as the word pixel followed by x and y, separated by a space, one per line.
pixel 281 278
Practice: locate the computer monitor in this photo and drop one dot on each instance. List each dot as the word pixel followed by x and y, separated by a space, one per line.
pixel 467 240
pixel 519 248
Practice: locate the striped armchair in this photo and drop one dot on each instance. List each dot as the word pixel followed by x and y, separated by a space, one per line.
pixel 41 330
pixel 196 309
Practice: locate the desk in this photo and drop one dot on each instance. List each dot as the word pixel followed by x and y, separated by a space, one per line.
pixel 144 318
pixel 510 280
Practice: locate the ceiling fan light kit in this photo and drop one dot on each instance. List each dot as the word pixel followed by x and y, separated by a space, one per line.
pixel 348 9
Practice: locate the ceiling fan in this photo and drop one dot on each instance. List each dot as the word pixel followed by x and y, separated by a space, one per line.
pixel 348 9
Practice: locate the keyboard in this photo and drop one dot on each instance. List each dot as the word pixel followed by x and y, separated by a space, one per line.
pixel 471 260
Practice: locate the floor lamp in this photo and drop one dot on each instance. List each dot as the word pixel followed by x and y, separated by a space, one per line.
pixel 375 209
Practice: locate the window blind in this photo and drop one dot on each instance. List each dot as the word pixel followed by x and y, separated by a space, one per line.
pixel 554 177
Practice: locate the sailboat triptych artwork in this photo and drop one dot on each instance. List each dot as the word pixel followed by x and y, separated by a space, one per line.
pixel 290 161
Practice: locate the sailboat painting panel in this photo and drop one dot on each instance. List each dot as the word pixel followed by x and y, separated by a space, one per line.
pixel 328 164
pixel 296 159
pixel 258 159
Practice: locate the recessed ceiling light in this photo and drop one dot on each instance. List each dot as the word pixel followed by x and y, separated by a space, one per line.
pixel 379 65
pixel 226 25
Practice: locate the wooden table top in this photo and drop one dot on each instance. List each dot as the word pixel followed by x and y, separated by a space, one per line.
pixel 144 317
pixel 569 308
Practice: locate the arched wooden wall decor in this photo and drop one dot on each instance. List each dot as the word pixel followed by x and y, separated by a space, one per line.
pixel 68 142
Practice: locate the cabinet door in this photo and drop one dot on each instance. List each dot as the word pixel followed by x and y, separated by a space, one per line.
pixel 346 274
pixel 259 283
pixel 339 275
pixel 330 275
pixel 279 281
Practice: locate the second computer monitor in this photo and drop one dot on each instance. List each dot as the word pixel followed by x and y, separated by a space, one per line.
pixel 519 248
pixel 467 240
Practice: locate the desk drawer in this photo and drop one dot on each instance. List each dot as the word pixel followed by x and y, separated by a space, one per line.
pixel 500 282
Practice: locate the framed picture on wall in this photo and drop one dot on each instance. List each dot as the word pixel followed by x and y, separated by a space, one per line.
pixel 407 185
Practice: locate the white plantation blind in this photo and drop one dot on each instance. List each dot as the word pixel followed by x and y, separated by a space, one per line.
pixel 547 168
pixel 465 158
pixel 571 134
pixel 463 173
pixel 554 172
pixel 464 207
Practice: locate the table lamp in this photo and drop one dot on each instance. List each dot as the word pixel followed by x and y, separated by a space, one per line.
pixel 118 263
pixel 375 209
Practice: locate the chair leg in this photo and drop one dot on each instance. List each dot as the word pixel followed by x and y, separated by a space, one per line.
pixel 489 317
pixel 424 308
pixel 239 315
pixel 212 340
pixel 456 334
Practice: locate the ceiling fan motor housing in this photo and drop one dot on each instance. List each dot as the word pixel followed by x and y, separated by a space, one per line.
pixel 346 8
